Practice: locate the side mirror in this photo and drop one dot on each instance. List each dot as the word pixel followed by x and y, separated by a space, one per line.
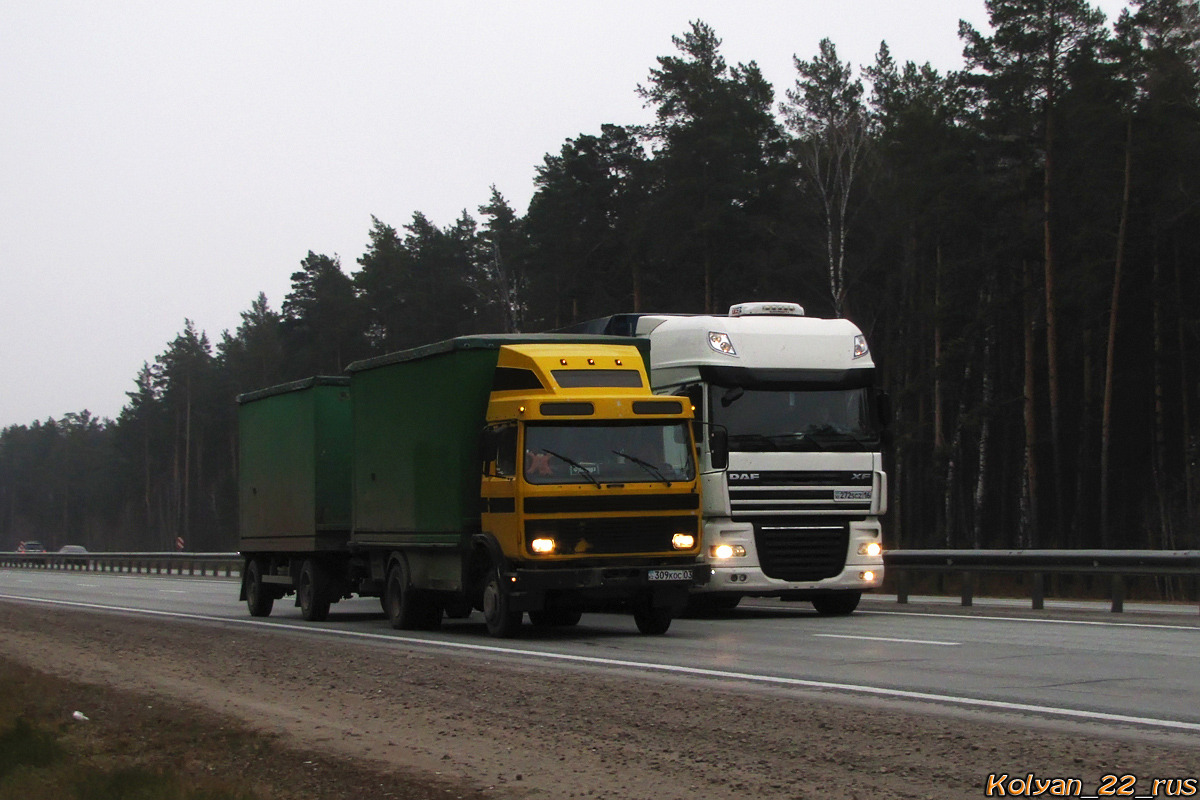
pixel 718 447
pixel 883 402
pixel 489 439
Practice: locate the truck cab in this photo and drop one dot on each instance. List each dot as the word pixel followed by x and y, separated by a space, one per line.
pixel 792 469
pixel 589 482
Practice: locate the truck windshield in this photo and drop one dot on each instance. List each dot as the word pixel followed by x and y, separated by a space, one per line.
pixel 780 419
pixel 579 452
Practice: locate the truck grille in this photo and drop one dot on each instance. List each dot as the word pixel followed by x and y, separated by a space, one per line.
pixel 811 549
pixel 758 494
pixel 612 534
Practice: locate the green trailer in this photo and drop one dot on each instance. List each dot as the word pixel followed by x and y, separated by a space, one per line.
pixel 294 466
pixel 405 482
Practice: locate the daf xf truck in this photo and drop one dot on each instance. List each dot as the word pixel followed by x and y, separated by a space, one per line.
pixel 789 406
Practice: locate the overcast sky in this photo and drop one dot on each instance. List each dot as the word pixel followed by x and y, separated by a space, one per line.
pixel 162 161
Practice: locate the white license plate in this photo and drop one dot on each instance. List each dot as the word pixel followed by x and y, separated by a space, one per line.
pixel 670 575
pixel 851 494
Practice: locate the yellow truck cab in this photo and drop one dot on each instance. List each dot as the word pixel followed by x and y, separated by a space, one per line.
pixel 590 485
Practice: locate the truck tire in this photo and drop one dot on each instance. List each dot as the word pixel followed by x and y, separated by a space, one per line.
pixel 259 598
pixel 313 591
pixel 837 604
pixel 652 620
pixel 502 622
pixel 407 608
pixel 555 617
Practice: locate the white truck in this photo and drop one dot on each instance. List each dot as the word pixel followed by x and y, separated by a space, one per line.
pixel 794 484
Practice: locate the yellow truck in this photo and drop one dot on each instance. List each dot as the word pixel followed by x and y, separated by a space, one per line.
pixel 511 474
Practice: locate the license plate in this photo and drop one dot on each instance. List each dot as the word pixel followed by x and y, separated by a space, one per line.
pixel 851 494
pixel 670 575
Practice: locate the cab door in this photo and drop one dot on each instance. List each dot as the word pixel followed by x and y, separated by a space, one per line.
pixel 498 490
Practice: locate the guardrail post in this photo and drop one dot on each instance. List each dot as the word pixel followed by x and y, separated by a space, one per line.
pixel 1039 591
pixel 1118 593
pixel 902 586
pixel 968 588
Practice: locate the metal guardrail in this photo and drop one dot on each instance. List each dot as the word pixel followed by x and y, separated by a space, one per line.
pixel 202 564
pixel 1117 564
pixel 900 565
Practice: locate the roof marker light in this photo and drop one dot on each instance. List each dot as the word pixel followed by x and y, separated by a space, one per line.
pixel 766 310
pixel 592 362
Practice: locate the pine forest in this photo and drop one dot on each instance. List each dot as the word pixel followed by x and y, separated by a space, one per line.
pixel 1017 241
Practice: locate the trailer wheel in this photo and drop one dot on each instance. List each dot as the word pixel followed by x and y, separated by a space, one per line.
pixel 555 617
pixel 652 620
pixel 259 599
pixel 313 592
pixel 408 608
pixel 837 604
pixel 502 622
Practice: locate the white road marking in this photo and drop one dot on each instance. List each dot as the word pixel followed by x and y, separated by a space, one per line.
pixel 172 591
pixel 87 585
pixel 1029 619
pixel 995 705
pixel 886 639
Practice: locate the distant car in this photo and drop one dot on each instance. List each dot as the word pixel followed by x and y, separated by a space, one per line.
pixel 31 547
pixel 74 550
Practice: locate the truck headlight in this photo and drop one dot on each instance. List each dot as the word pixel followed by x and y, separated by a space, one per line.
pixel 869 549
pixel 543 546
pixel 683 541
pixel 726 551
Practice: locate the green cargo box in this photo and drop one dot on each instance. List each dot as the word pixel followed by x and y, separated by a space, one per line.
pixel 417 419
pixel 294 466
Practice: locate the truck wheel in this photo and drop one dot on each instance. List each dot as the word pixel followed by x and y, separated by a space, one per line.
pixel 502 622
pixel 259 598
pixel 838 604
pixel 313 592
pixel 408 608
pixel 652 620
pixel 555 617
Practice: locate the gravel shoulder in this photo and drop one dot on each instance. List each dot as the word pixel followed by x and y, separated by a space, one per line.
pixel 367 720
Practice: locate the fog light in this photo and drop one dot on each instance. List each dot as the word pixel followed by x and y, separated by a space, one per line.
pixel 683 541
pixel 869 549
pixel 726 551
pixel 866 576
pixel 542 546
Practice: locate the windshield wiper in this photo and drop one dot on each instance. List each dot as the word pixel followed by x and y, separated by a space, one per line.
pixel 587 473
pixel 831 433
pixel 752 439
pixel 646 465
pixel 807 438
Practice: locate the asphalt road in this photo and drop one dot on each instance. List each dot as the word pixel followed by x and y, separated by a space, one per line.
pixel 1084 668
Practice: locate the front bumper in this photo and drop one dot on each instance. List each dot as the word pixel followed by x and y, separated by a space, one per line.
pixel 744 575
pixel 663 585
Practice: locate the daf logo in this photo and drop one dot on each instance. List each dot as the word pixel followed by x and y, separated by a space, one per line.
pixel 859 476
pixel 743 476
